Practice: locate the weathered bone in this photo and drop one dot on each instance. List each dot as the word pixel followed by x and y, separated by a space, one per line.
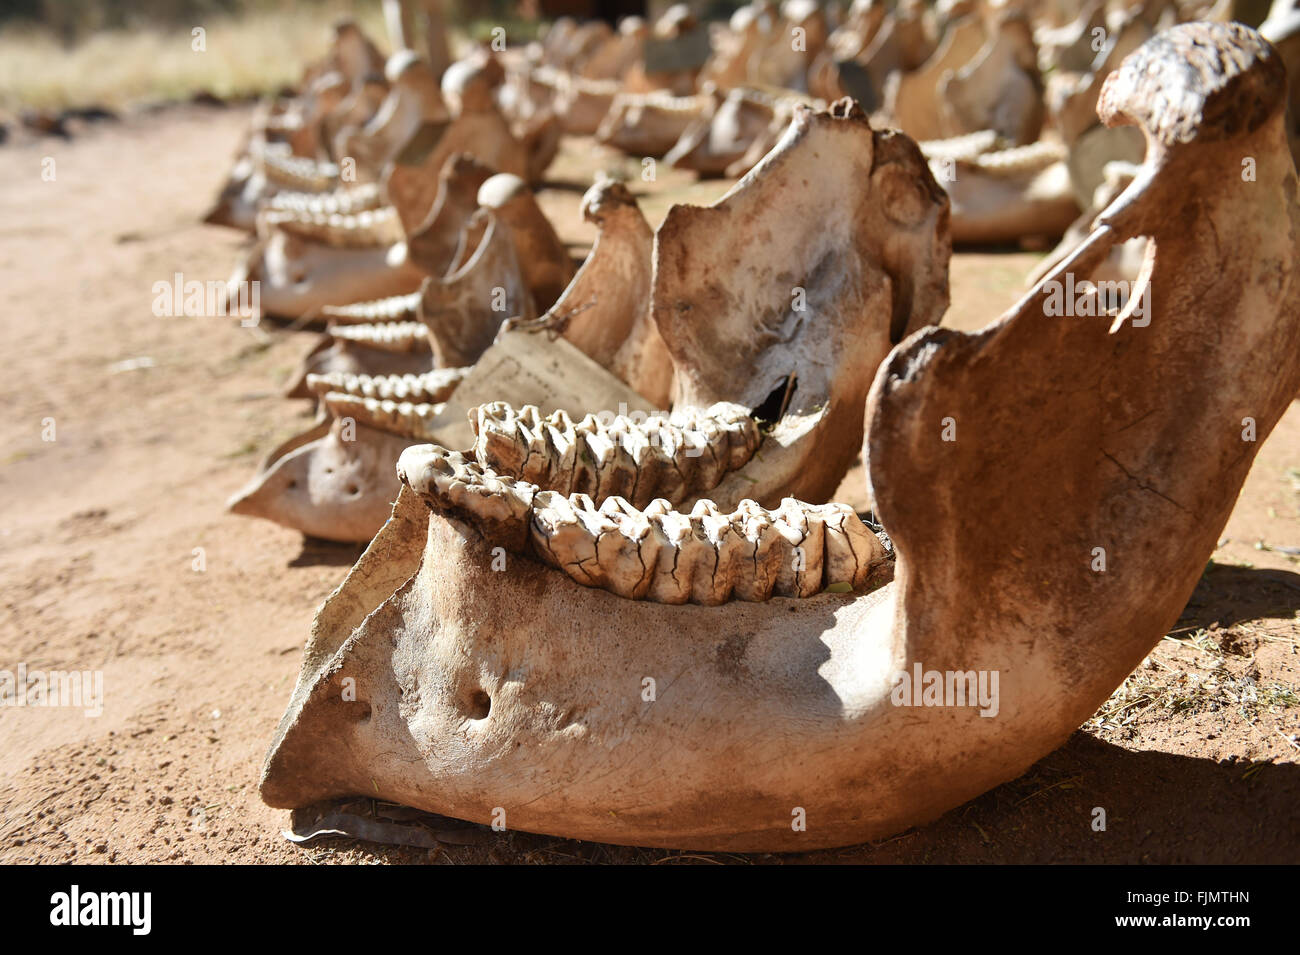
pixel 776 279
pixel 409 420
pixel 912 99
pixel 478 128
pixel 656 554
pixel 463 311
pixel 394 348
pixel 713 142
pixel 338 486
pixel 353 199
pixel 360 230
pixel 413 99
pixel 466 698
pixel 542 257
pixel 998 89
pixel 605 311
pixel 648 124
pixel 297 277
pixel 675 457
pixel 433 239
pixel 1009 195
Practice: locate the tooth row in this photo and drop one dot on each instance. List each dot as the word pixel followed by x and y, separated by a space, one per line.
pixel 655 553
pixel 356 198
pixel 431 387
pixel 389 336
pixel 299 173
pixel 405 418
pixel 373 227
pixel 663 456
pixel 662 100
pixel 395 308
pixel 1020 159
pixel 457 485
pixel 966 147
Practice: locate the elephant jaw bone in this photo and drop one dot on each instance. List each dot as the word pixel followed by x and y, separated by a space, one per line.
pixel 464 311
pixel 669 457
pixel 714 142
pixel 605 311
pixel 348 200
pixel 542 257
pixel 298 277
pixel 469 697
pixel 777 280
pixel 381 311
pixel 618 53
pixel 999 88
pixel 433 240
pixel 912 99
pixel 335 486
pixel 1021 194
pixel 412 179
pixel 649 124
pixel 392 348
pixel 580 103
pixel 413 99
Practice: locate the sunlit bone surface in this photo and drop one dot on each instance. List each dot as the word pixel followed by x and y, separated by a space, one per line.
pixel 475 690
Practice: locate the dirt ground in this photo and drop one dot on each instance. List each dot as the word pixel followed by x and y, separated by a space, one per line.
pixel 1193 760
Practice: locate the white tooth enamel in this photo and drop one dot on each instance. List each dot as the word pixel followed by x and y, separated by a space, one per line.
pixel 395 308
pixel 390 336
pixel 658 554
pixel 367 229
pixel 355 198
pixel 673 457
pixel 297 172
pixel 412 420
pixel 431 387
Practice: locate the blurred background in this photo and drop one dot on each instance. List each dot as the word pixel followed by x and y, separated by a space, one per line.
pixel 57 54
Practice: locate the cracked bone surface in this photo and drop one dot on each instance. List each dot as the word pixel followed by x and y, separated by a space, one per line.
pixel 653 553
pixel 478 687
pixel 777 279
pixel 681 455
pixel 605 310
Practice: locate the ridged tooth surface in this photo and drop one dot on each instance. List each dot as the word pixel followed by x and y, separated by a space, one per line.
pixel 499 507
pixel 656 553
pixel 296 172
pixel 357 198
pixel 395 308
pixel 431 387
pixel 672 457
pixel 390 336
pixel 373 227
pixel 410 419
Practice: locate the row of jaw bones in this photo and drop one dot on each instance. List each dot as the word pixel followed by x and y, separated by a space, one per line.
pixel 395 159
pixel 477 688
pixel 859 294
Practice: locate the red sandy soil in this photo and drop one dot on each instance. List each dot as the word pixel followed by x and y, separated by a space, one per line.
pixel 98 530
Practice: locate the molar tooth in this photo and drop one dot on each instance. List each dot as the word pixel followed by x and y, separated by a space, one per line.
pixel 687 452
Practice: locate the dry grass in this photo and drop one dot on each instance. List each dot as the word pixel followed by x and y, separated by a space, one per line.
pixel 1196 671
pixel 248 55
